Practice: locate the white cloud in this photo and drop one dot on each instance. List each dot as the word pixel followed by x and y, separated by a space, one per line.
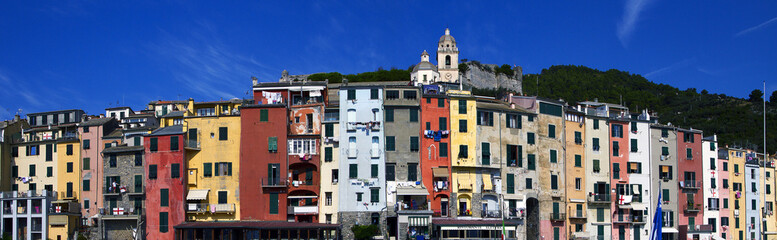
pixel 759 26
pixel 631 12
pixel 670 68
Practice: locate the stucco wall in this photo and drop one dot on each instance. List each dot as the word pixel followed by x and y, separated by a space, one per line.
pixel 602 133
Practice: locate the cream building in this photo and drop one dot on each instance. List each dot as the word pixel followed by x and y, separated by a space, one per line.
pixel 424 72
pixel 448 58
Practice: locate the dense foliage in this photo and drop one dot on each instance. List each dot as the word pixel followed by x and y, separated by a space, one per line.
pixel 381 75
pixel 736 121
pixel 365 231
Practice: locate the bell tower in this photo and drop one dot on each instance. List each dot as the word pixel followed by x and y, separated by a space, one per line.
pixel 448 58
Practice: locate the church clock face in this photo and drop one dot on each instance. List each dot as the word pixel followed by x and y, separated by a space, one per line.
pixel 448 76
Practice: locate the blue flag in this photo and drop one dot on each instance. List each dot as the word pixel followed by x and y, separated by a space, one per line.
pixel 655 233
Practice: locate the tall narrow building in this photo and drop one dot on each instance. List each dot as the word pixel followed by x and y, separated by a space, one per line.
pixel 597 158
pixel 550 163
pixel 751 197
pixel 330 164
pixel 639 173
pixel 92 132
pixel 712 189
pixel 725 193
pixel 689 166
pixel 738 212
pixel 575 171
pixel 166 181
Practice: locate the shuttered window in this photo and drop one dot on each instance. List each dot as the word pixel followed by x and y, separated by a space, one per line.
pixel 510 183
pixel 163 224
pixel 153 146
pixel 152 171
pixel 223 134
pixel 634 145
pixel 174 143
pixel 264 115
pixel 207 169
pixel 390 143
pixel 175 170
pixel 164 194
pixel 273 203
pixel 272 144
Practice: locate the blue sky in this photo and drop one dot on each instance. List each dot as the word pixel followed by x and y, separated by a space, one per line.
pixel 93 55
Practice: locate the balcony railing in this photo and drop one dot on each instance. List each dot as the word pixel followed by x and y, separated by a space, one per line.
pixel 557 216
pixel 67 195
pixel 691 207
pixel 197 208
pixel 577 215
pixel 210 208
pixel 690 184
pixel 273 182
pixel 192 144
pixel 440 186
pixel 599 198
pixel 120 211
pixel 118 190
pixel 303 210
pixel 491 214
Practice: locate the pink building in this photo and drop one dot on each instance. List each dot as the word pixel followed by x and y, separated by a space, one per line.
pixel 725 184
pixel 92 132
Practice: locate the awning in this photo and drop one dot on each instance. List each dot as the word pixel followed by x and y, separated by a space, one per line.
pixel 301 197
pixel 487 186
pixel 440 172
pixel 464 182
pixel 477 227
pixel 576 200
pixel 414 191
pixel 669 230
pixel 625 206
pixel 197 194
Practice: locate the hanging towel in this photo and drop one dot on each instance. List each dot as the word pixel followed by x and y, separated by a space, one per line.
pixel 437 136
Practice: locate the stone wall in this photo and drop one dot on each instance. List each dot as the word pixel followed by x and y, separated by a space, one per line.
pixel 349 219
pixel 483 76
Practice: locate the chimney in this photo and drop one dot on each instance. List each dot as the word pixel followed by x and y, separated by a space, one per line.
pixel 254 80
pixel 16 118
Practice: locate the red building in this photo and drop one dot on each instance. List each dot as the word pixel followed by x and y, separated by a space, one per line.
pixel 165 185
pixel 299 173
pixel 263 162
pixel 619 158
pixel 435 150
pixel 689 171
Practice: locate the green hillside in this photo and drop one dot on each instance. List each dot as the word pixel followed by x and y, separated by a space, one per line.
pixel 736 121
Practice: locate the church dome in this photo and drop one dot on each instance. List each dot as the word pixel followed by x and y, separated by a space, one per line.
pixel 424 65
pixel 447 37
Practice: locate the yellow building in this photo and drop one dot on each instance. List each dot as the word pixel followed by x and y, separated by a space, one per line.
pixel 34 162
pixel 213 155
pixel 737 195
pixel 463 156
pixel 67 212
pixel 575 170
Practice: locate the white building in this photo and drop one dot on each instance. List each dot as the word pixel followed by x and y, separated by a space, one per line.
pixel 118 112
pixel 711 189
pixel 639 175
pixel 424 72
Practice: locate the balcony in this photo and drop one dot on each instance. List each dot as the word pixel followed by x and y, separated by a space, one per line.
pixel 599 198
pixel 637 219
pixel 210 208
pixel 116 191
pixel 416 205
pixel 580 215
pixel 119 213
pixel 273 183
pixel 558 217
pixel 700 228
pixel 375 153
pixel 223 207
pixel 440 186
pixel 690 184
pixel 65 195
pixel 192 144
pixel 197 208
pixel 491 214
pixel 65 208
pixel 303 210
pixel 692 208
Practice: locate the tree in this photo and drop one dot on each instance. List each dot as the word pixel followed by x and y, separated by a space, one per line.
pixel 365 231
pixel 773 98
pixel 463 68
pixel 756 96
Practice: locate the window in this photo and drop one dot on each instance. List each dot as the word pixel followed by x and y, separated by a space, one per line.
pixel 328 154
pixel 351 94
pixel 463 151
pixel 152 171
pixel 441 102
pixel 374 171
pixel 335 175
pixel 596 123
pixel 414 144
pixel 86 164
pixel 725 166
pixel 553 156
pixel 412 172
pixel 274 203
pixel 462 106
pixel 86 144
pixel 223 168
pixel 153 147
pixel 223 135
pixel 163 225
pixel 600 214
pixel 50 171
pixel 69 149
pixel 174 143
pixel 409 94
pixel 428 126
pixel 263 115
pixel 596 167
pixel 374 93
pixel 462 125
pixel 528 183
pixel 725 183
pixel 138 159
pixel 390 172
pixel 14 171
pixel 510 183
pixel 551 131
pixel 164 194
pixel 108 145
pixel 32 170
pixel 688 154
pixel 617 130
pixel 615 149
pixel 302 146
pixel 578 161
pixel 616 169
pixel 222 195
pixel 554 182
pixel 413 115
pixel 634 145
pixel 389 114
pixel 175 170
pixel 485 118
pixel 86 185
pixel 206 169
pixel 390 143
pixel 664 133
pixel 392 94
pixel 595 144
pixel 530 138
pixel 136 141
pixel 578 184
pixel 375 195
pixel 485 153
pixel 443 149
pixel 272 144
pixel 514 154
pixel 635 167
pixel 112 161
pixel 443 123
pixel 513 121
pixel 328 199
pixel 725 203
pixel 688 137
pixel 736 168
pixel 353 171
pixel 665 151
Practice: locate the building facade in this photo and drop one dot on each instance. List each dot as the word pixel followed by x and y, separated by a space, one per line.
pixel 166 181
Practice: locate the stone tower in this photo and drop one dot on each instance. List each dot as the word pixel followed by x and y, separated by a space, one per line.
pixel 448 58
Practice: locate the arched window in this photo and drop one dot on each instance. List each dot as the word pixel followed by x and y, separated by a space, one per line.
pixel 448 60
pixel 375 218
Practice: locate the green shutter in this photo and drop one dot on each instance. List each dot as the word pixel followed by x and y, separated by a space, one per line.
pixel 173 143
pixel 86 164
pixel 688 153
pixel 596 165
pixel 175 170
pixel 207 169
pixel 264 115
pixel 665 195
pixel 462 106
pixel 553 157
pixel 413 115
pixel 165 197
pixel 443 149
pixel 327 154
pixel 530 138
pixel 153 146
pixel 486 153
pixel 520 156
pixel 390 143
pixel 353 171
pixel 462 125
pixel 86 185
pixel 137 141
pixel 552 131
pixel 50 170
pixel 634 145
pixel 272 144
pixel 712 146
pixel 531 162
pixel 229 169
pixel 223 134
pixel 616 170
pixel 600 215
pixel 510 183
pixel 329 130
pixel 32 170
pixel 443 123
pixel 351 94
pixel 578 161
pixel 374 171
pixel 373 93
pixel 389 114
pixel 152 171
pixel 414 144
pixel 665 151
pixel 441 102
pixel 273 203
pixel 374 195
pixel 138 183
pixel 550 109
pixel 163 225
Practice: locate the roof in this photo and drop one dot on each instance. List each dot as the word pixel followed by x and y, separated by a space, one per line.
pixel 286 84
pixel 424 65
pixel 499 106
pixel 447 37
pixel 257 225
pixel 117 108
pixel 117 133
pixel 280 105
pixel 96 122
pixel 56 111
pixel 596 103
pixel 412 190
pixel 117 149
pixel 168 102
pixel 175 129
pixel 173 114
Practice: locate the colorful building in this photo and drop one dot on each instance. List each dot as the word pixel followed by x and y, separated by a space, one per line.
pixel 92 132
pixel 751 192
pixel 576 207
pixel 619 159
pixel 10 133
pixel 550 139
pixel 165 181
pixel 330 166
pixel 712 188
pixel 463 141
pixel 597 166
pixel 689 167
pixel 725 193
pixel 737 159
pixel 122 216
pixel 639 176
pixel 435 149
pixel 213 164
